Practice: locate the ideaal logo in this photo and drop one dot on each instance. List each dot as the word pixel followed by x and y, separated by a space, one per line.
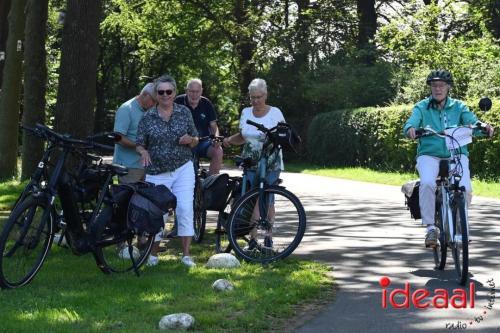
pixel 441 298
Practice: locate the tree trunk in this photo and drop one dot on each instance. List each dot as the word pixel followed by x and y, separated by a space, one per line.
pixel 10 94
pixel 301 54
pixel 35 82
pixel 100 110
pixel 245 48
pixel 4 28
pixel 367 26
pixel 78 72
pixel 494 19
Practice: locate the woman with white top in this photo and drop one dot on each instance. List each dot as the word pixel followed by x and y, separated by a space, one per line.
pixel 253 140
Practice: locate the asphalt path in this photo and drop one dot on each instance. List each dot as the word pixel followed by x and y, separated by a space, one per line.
pixel 365 233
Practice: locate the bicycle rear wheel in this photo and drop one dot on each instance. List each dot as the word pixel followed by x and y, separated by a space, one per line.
pixel 274 236
pixel 221 240
pixel 116 247
pixel 460 245
pixel 25 242
pixel 199 213
pixel 440 251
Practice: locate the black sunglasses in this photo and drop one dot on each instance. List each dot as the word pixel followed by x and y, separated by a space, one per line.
pixel 168 92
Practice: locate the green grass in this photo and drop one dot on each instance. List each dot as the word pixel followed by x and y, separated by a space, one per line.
pixel 481 188
pixel 9 191
pixel 70 294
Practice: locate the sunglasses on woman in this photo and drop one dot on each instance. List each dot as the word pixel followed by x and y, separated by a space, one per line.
pixel 168 92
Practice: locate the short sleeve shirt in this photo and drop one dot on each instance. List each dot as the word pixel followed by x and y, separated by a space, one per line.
pixel 203 114
pixel 127 119
pixel 254 139
pixel 161 139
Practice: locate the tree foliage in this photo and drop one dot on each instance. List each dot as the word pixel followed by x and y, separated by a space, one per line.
pixel 451 36
pixel 316 55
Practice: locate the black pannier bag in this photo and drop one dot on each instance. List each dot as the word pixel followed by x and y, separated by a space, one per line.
pixel 147 207
pixel 285 136
pixel 215 191
pixel 410 190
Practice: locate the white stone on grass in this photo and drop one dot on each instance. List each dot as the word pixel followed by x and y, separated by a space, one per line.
pixel 176 321
pixel 223 260
pixel 125 254
pixel 222 285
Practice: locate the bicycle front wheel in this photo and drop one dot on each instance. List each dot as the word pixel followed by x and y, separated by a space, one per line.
pixel 440 251
pixel 270 235
pixel 116 247
pixel 460 243
pixel 199 213
pixel 25 242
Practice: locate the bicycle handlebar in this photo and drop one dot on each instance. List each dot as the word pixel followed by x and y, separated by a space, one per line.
pixel 428 131
pixel 212 137
pixel 46 133
pixel 260 127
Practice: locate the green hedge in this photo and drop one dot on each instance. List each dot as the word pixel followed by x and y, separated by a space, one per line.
pixel 372 137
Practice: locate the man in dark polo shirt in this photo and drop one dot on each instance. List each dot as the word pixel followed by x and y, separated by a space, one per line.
pixel 205 119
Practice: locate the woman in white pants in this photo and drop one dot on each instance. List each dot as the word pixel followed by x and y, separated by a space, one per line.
pixel 165 137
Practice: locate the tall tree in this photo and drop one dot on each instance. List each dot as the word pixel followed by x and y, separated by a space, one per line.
pixel 11 91
pixel 77 75
pixel 35 81
pixel 245 47
pixel 4 27
pixel 367 27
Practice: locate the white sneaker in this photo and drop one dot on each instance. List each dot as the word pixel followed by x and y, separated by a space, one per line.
pixel 152 261
pixel 188 261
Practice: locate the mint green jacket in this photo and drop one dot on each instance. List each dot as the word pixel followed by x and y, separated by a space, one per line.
pixel 455 113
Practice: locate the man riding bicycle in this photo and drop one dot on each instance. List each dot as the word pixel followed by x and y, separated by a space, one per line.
pixel 439 111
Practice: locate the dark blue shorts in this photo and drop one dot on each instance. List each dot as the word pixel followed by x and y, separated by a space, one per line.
pixel 202 148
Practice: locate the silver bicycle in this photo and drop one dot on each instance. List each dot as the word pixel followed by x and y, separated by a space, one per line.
pixel 451 217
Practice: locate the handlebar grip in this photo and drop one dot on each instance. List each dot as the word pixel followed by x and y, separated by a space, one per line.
pixel 259 126
pixel 419 132
pixel 482 126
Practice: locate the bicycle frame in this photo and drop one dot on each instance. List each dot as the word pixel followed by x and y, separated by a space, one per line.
pixel 60 184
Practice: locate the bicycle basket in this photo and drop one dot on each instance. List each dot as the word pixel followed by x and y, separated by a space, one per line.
pixel 410 190
pixel 285 136
pixel 215 191
pixel 147 207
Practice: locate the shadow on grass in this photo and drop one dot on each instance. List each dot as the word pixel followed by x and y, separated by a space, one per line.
pixel 71 295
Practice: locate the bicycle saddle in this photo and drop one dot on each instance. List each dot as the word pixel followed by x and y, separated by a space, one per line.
pixel 444 167
pixel 119 170
pixel 244 162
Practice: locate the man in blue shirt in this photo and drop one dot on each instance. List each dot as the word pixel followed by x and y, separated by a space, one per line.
pixel 126 121
pixel 205 119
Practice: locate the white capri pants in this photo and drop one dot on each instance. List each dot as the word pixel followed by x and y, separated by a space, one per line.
pixel 428 169
pixel 181 183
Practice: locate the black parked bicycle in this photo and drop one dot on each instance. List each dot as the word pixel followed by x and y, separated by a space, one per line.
pixel 75 194
pixel 199 206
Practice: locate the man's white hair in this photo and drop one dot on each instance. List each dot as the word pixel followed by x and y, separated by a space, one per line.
pixel 195 80
pixel 149 89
